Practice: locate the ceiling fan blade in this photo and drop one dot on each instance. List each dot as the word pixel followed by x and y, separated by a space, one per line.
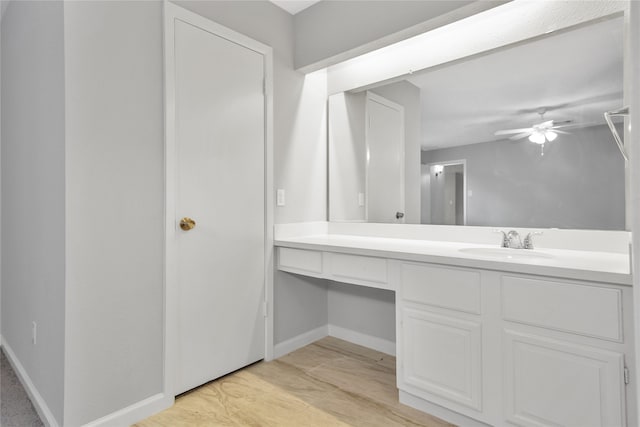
pixel 571 125
pixel 509 131
pixel 547 124
pixel 520 136
pixel 560 131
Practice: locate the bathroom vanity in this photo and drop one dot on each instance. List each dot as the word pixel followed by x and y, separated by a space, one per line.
pixel 490 335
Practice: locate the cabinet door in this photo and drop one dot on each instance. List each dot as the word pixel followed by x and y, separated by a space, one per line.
pixel 553 383
pixel 441 356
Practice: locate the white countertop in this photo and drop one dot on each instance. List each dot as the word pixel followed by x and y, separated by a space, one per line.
pixel 607 267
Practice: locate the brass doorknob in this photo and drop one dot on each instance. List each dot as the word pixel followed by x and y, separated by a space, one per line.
pixel 187 223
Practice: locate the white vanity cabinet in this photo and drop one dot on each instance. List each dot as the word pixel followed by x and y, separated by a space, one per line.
pixel 563 352
pixel 509 349
pixel 439 334
pixel 481 343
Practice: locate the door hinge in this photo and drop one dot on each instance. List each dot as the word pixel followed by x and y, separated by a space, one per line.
pixel 627 377
pixel 264 309
pixel 264 86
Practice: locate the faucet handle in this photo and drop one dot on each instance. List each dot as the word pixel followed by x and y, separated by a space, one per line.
pixel 505 238
pixel 528 240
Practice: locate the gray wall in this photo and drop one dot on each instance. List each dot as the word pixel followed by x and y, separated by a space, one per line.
pixel 362 309
pixel 33 193
pixel 578 183
pixel 115 155
pixel 330 28
pixel 301 305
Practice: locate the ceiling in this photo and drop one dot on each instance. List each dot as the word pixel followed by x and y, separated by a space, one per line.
pixel 576 75
pixel 294 6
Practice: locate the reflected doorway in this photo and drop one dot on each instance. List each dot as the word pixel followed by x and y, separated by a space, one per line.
pixel 443 188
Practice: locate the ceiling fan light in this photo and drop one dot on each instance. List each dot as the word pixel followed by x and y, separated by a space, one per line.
pixel 550 135
pixel 537 138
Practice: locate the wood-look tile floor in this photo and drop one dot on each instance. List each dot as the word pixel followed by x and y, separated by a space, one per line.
pixel 328 383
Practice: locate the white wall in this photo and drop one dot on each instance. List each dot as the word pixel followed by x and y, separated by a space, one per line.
pixel 33 193
pixel 347 156
pixel 115 155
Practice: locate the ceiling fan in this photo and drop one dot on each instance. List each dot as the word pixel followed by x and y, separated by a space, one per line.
pixel 540 133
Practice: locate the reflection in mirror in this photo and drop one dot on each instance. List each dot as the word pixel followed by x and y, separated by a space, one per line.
pixel 524 125
pixel 443 189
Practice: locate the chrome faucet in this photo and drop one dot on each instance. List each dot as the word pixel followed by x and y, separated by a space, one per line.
pixel 512 239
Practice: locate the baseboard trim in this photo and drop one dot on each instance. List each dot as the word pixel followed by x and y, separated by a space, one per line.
pixel 369 341
pixel 439 411
pixel 299 341
pixel 136 412
pixel 38 402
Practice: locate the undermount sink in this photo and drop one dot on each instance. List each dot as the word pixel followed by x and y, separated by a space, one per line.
pixel 507 253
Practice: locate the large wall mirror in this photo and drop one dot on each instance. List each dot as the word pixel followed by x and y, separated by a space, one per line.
pixel 512 137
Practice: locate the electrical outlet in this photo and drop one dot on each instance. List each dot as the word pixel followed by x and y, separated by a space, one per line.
pixel 34 332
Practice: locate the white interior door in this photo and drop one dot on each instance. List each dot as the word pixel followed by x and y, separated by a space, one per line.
pixel 385 160
pixel 219 183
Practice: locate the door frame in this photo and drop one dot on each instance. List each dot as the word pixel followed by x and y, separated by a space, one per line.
pixel 462 162
pixel 170 329
pixel 374 97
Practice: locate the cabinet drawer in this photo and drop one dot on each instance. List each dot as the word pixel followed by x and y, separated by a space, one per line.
pixel 441 287
pixel 300 260
pixel 356 268
pixel 593 311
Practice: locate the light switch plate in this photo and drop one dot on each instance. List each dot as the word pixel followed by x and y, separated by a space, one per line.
pixel 280 197
pixel 360 199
